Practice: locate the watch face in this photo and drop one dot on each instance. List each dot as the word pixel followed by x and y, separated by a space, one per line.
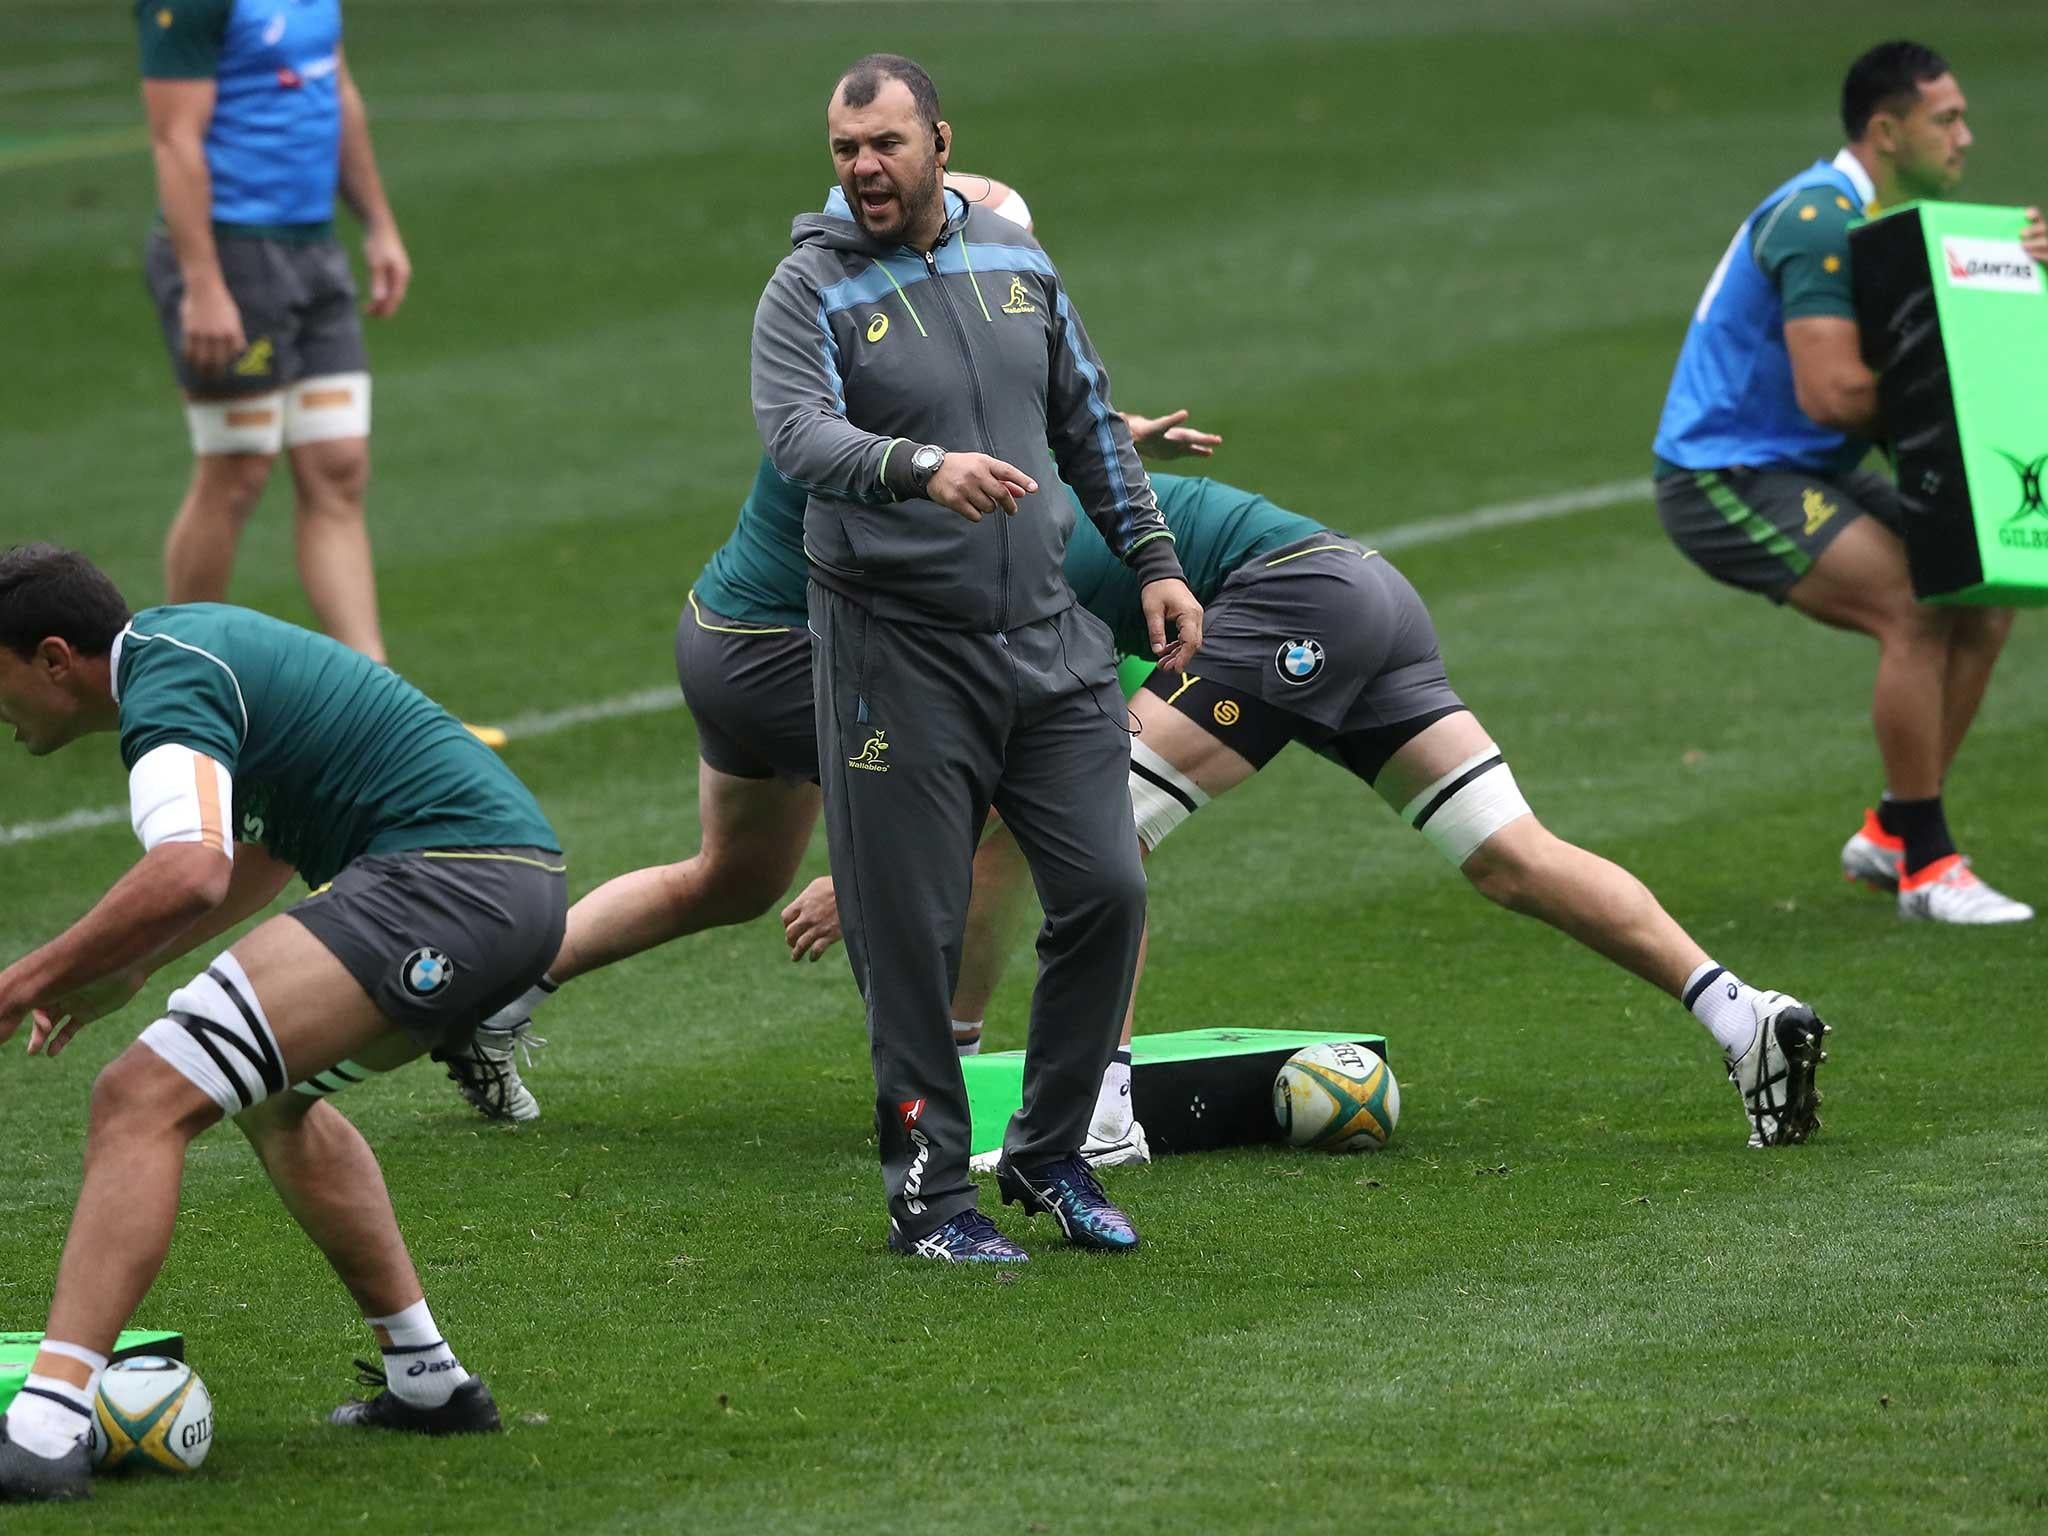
pixel 927 459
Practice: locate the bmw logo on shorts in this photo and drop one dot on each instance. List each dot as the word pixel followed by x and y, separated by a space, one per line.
pixel 427 973
pixel 1300 661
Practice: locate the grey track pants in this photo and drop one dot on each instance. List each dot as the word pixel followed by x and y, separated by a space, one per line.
pixel 920 731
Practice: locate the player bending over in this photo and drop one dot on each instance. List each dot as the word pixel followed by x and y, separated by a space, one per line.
pixel 1311 637
pixel 254 748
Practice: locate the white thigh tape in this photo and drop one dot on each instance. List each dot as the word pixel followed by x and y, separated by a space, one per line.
pixel 1162 797
pixel 217 1038
pixel 1465 807
pixel 323 410
pixel 252 424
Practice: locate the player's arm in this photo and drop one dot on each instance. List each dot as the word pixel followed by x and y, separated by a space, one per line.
pixel 1802 247
pixel 362 189
pixel 801 414
pixel 998 197
pixel 2034 236
pixel 180 47
pixel 1091 442
pixel 1833 385
pixel 1165 437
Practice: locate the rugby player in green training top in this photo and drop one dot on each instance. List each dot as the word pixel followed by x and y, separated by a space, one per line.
pixel 254 748
pixel 1314 638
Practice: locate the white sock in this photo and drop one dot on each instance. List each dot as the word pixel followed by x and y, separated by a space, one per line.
pixel 49 1414
pixel 967 1036
pixel 419 1367
pixel 1719 999
pixel 514 1014
pixel 1113 1102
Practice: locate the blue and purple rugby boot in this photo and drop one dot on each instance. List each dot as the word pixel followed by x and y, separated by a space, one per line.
pixel 1067 1191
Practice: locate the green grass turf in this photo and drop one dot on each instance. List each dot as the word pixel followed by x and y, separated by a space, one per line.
pixel 1409 260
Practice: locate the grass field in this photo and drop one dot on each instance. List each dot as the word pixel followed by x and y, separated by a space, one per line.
pixel 1410 260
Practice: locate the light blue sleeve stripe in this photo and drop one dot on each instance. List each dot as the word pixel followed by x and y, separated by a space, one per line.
pixel 829 349
pixel 1098 407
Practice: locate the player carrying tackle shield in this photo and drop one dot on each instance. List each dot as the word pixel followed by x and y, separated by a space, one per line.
pixel 1315 638
pixel 1770 415
pixel 254 748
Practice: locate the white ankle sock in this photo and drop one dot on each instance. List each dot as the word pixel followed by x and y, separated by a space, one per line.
pixel 1719 999
pixel 1113 1102
pixel 419 1367
pixel 516 1013
pixel 967 1036
pixel 49 1414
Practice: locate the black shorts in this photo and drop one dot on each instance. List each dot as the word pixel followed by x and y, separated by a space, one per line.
pixel 443 938
pixel 1321 642
pixel 298 304
pixel 1762 529
pixel 749 690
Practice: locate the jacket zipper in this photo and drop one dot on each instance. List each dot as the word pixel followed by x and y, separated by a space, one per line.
pixel 931 262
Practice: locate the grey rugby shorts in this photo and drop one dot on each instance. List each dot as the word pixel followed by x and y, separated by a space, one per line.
pixel 443 938
pixel 298 304
pixel 749 690
pixel 1762 529
pixel 1322 642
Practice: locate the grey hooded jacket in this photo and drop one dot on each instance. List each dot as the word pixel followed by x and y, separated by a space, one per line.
pixel 863 352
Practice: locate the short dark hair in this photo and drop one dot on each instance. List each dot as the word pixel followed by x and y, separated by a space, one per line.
pixel 862 83
pixel 46 590
pixel 1886 78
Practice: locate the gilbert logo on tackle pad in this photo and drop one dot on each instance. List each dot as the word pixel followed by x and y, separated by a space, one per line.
pixel 1954 318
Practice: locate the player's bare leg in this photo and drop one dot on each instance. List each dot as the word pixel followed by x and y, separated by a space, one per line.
pixel 330 480
pixel 146 1111
pixel 199 551
pixel 1861 582
pixel 754 831
pixel 1976 637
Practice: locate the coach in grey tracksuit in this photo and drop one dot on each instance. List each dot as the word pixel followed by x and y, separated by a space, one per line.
pixel 954 670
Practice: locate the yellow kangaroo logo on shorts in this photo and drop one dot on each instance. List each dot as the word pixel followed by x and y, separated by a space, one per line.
pixel 256 360
pixel 878 327
pixel 870 755
pixel 1818 510
pixel 1019 302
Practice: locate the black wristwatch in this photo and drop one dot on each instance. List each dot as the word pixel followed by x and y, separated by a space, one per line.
pixel 923 465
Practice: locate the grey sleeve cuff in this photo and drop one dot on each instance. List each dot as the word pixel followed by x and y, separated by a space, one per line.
pixel 897 477
pixel 1154 560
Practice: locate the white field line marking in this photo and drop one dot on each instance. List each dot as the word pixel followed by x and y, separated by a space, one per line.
pixel 648 701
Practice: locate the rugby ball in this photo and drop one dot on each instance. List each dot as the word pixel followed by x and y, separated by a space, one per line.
pixel 151 1412
pixel 1336 1097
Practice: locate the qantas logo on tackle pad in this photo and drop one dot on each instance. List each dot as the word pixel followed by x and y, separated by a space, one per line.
pixel 1299 661
pixel 2000 265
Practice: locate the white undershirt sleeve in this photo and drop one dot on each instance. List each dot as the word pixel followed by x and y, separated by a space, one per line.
pixel 177 795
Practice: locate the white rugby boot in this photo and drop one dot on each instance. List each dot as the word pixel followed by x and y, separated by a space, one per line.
pixel 1116 1146
pixel 1948 891
pixel 487 1069
pixel 1774 1073
pixel 1873 857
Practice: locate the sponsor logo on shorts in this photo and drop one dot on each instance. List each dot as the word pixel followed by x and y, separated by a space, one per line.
pixel 878 327
pixel 869 758
pixel 1818 509
pixel 1226 712
pixel 1299 661
pixel 256 358
pixel 1019 302
pixel 910 1111
pixel 427 973
pixel 2000 266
